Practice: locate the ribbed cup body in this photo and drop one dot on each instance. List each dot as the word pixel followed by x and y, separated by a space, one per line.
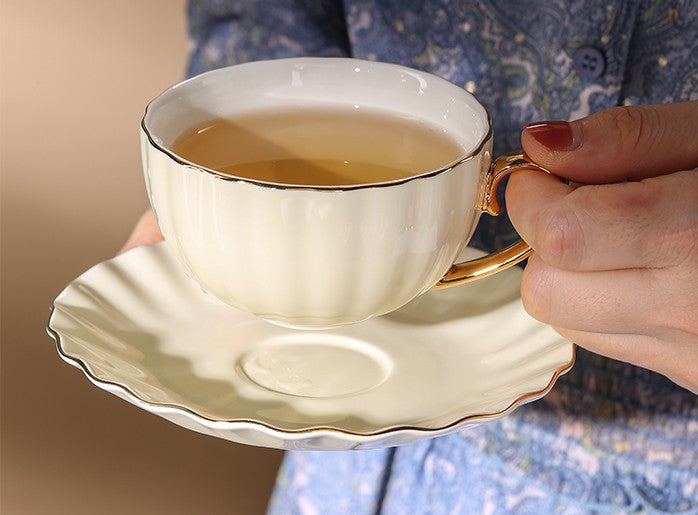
pixel 307 256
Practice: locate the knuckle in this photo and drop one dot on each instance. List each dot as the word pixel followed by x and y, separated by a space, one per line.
pixel 625 118
pixel 635 127
pixel 639 197
pixel 560 238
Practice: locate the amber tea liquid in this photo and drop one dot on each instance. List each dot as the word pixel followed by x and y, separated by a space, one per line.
pixel 319 146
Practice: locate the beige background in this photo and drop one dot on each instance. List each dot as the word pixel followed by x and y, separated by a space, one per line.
pixel 76 76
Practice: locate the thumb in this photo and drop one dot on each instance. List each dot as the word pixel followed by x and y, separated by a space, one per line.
pixel 617 144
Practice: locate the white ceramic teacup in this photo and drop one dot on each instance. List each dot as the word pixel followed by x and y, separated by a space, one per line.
pixel 318 256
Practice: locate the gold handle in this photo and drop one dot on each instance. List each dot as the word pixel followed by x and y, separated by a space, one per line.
pixel 492 263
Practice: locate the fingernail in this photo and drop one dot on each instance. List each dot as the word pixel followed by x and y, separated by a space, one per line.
pixel 555 135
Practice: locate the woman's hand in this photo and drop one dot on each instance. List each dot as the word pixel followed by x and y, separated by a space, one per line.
pixel 615 267
pixel 145 232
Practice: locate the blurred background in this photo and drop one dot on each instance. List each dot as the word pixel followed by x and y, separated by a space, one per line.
pixel 76 76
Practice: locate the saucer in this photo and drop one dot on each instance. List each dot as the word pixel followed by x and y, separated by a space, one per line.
pixel 139 328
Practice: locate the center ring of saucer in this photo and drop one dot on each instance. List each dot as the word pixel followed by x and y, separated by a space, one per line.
pixel 315 365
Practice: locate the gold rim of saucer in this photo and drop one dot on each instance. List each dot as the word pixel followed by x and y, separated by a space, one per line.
pixel 85 367
pixel 277 185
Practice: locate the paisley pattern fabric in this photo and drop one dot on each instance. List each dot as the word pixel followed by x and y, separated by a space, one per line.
pixel 610 437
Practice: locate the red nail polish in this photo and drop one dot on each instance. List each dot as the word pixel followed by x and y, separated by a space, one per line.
pixel 555 135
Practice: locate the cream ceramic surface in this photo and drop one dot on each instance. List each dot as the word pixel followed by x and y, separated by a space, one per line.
pixel 316 256
pixel 142 330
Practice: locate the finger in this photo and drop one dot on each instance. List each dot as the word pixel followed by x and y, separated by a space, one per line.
pixel 652 223
pixel 145 232
pixel 617 144
pixel 674 359
pixel 614 302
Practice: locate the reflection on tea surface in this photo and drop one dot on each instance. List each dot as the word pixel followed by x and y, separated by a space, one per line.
pixel 319 146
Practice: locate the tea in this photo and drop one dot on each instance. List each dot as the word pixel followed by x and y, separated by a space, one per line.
pixel 319 146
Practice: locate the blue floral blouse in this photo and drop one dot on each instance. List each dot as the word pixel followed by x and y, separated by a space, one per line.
pixel 610 437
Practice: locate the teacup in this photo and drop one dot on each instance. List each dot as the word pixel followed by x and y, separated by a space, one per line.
pixel 312 255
